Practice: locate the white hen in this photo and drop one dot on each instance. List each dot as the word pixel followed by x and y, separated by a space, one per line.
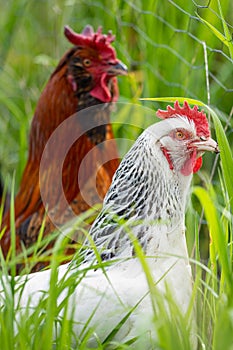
pixel 145 203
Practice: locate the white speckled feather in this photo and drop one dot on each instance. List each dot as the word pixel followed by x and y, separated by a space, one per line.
pixel 147 197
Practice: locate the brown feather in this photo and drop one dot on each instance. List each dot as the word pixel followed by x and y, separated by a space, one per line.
pixel 67 93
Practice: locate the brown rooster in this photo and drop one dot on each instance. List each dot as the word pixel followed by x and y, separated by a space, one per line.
pixel 82 87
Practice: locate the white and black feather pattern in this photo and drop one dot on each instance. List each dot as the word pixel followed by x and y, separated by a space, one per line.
pixel 145 194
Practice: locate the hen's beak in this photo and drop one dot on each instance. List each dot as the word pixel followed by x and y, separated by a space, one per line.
pixel 117 69
pixel 204 145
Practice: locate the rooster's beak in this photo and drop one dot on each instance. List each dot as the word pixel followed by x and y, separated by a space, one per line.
pixel 204 145
pixel 117 69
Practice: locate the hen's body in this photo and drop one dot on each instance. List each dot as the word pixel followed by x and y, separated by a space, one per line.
pixel 83 82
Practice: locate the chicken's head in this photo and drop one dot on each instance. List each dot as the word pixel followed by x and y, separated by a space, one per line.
pixel 184 136
pixel 94 61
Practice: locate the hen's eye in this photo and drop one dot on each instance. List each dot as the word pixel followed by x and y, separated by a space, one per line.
pixel 87 62
pixel 179 135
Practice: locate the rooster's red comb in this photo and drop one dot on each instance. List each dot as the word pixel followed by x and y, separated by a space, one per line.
pixel 198 117
pixel 88 36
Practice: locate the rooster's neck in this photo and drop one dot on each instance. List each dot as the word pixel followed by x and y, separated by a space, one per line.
pixel 59 101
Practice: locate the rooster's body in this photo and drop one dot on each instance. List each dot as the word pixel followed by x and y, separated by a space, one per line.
pixel 145 206
pixel 83 82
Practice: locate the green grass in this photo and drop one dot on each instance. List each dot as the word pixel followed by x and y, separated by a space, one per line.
pixel 172 48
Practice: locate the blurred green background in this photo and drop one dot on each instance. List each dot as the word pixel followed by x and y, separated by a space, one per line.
pixel 172 48
pixel 168 49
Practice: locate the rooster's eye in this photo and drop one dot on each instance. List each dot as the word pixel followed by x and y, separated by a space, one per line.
pixel 87 62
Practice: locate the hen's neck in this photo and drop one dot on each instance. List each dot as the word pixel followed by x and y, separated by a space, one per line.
pixel 147 198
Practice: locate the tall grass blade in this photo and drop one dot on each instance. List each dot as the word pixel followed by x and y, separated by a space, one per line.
pixel 228 35
pixel 216 232
pixel 13 230
pixel 225 155
pixel 216 32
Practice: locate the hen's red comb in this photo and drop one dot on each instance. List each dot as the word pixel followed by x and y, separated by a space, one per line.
pixel 199 118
